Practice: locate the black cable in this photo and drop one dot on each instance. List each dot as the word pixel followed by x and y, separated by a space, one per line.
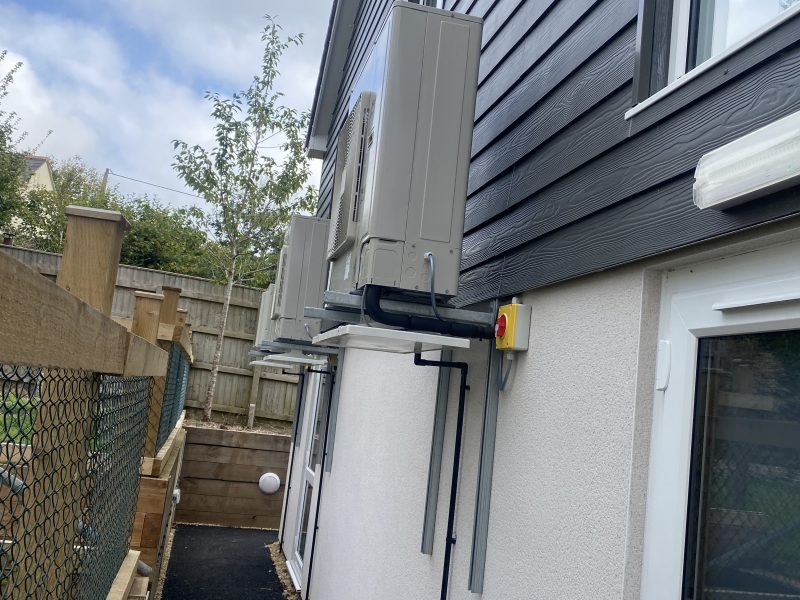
pixel 163 187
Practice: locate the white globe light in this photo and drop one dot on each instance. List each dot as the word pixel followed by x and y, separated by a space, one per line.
pixel 269 483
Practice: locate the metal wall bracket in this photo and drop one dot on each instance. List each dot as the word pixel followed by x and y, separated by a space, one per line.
pixel 267 348
pixel 346 308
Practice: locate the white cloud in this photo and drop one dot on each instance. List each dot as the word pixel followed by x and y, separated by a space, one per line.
pixel 77 80
pixel 222 39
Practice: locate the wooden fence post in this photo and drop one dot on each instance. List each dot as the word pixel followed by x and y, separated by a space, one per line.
pixel 89 271
pixel 91 255
pixel 147 315
pixel 255 388
pixel 182 316
pixel 169 312
pixel 168 316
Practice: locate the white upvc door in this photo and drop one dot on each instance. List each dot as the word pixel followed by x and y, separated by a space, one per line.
pixel 303 496
pixel 745 294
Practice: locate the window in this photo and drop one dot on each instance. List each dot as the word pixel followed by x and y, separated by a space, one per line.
pixel 723 502
pixel 703 29
pixel 743 526
pixel 680 39
pixel 303 490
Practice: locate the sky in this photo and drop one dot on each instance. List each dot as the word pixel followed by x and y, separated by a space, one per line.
pixel 117 80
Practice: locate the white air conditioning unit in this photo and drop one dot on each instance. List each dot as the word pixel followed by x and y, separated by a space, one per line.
pixel 403 155
pixel 300 281
pixel 265 328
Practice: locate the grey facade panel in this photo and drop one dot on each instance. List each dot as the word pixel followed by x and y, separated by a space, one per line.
pixel 370 16
pixel 557 170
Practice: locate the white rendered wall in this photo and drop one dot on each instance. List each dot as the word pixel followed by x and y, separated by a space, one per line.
pixel 562 471
pixel 562 477
pixel 571 457
pixel 373 500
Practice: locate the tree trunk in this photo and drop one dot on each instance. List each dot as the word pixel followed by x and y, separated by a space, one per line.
pixel 221 323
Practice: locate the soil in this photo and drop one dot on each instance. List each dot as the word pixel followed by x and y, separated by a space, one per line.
pixel 164 565
pixel 289 593
pixel 261 426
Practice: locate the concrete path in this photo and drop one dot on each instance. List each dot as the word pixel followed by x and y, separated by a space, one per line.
pixel 219 563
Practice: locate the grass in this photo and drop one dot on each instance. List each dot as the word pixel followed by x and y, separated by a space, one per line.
pixel 19 414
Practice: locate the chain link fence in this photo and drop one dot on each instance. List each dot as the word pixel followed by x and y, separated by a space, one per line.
pixel 70 455
pixel 175 385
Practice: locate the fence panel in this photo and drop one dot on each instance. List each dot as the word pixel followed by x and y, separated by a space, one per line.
pixel 71 450
pixel 274 398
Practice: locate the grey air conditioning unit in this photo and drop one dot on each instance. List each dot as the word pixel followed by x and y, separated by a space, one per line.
pixel 300 281
pixel 265 328
pixel 403 155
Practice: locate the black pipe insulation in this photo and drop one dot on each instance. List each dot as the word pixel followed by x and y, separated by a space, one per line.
pixel 372 307
pixel 451 513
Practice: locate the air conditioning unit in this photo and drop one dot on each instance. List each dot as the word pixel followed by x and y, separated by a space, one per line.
pixel 265 328
pixel 300 281
pixel 403 155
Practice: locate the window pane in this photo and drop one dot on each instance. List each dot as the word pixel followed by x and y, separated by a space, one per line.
pixel 315 453
pixel 722 23
pixel 303 535
pixel 743 533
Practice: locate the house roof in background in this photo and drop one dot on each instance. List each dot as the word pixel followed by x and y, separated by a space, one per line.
pixel 331 72
pixel 32 164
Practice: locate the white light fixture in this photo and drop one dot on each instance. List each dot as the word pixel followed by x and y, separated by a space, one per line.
pixel 764 161
pixel 269 483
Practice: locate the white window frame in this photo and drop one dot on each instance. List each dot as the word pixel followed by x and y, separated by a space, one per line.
pixel 680 38
pixel 679 44
pixel 750 293
pixel 297 564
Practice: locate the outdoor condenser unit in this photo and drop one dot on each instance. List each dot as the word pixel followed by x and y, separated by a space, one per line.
pixel 265 329
pixel 301 279
pixel 403 155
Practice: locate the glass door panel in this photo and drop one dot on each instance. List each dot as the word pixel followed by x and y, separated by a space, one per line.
pixel 743 528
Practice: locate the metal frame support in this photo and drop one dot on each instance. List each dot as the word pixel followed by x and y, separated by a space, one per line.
pixel 435 465
pixel 450 540
pixel 266 348
pixel 336 303
pixel 483 495
pixel 333 413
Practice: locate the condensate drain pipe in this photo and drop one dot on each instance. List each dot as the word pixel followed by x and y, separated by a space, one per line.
pixel 451 513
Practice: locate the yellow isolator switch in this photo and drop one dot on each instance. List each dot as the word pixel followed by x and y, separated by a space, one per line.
pixel 513 327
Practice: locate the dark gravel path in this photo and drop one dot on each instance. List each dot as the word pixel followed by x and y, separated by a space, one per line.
pixel 220 563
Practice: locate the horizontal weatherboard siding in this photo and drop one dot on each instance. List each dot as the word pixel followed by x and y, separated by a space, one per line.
pixel 561 184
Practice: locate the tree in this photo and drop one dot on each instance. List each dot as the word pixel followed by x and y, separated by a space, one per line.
pixel 160 237
pixel 164 238
pixel 251 191
pixel 40 213
pixel 12 162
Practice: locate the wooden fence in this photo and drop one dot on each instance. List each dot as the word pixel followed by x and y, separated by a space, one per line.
pixel 220 473
pixel 238 385
pixel 83 424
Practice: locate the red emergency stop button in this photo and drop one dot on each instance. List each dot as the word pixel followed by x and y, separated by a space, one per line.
pixel 500 326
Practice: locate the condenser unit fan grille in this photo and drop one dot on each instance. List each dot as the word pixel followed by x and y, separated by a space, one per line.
pixel 351 154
